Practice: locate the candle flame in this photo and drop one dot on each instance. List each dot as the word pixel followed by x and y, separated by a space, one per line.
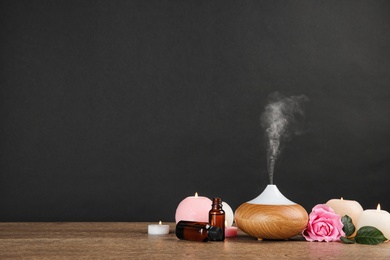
pixel 196 194
pixel 341 198
pixel 160 222
pixel 378 207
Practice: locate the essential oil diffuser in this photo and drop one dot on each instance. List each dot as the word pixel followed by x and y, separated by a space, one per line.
pixel 271 216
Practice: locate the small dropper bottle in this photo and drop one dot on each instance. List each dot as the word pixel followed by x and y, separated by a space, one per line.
pixel 217 217
pixel 197 231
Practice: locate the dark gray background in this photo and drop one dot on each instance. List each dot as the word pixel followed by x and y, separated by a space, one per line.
pixel 117 110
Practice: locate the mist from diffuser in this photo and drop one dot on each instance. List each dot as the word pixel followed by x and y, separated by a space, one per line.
pixel 281 119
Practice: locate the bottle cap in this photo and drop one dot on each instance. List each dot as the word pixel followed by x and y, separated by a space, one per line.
pixel 215 233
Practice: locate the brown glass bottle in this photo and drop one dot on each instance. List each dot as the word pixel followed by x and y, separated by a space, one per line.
pixel 217 217
pixel 197 231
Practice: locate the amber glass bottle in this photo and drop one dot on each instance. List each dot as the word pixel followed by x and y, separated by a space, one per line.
pixel 217 217
pixel 197 231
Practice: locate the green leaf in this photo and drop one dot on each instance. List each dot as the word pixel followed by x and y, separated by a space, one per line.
pixel 348 228
pixel 347 240
pixel 370 236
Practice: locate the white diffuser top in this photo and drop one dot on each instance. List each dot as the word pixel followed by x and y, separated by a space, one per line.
pixel 271 196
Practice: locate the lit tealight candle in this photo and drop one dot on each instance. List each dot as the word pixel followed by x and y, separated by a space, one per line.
pixel 193 208
pixel 344 207
pixel 377 218
pixel 159 229
pixel 230 231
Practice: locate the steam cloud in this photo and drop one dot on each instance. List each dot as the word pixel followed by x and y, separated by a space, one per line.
pixel 282 118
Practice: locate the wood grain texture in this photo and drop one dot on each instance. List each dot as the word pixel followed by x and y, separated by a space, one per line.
pixel 271 221
pixel 131 241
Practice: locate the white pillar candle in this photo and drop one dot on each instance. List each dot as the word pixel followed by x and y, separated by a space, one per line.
pixel 377 218
pixel 344 207
pixel 159 229
pixel 229 215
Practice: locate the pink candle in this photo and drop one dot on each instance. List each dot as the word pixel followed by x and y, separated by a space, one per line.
pixel 229 230
pixel 194 208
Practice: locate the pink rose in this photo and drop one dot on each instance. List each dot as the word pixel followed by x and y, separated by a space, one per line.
pixel 324 225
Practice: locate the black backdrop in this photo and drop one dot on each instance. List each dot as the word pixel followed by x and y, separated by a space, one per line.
pixel 117 110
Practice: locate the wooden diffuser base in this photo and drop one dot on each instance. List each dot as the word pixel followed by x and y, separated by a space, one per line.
pixel 271 221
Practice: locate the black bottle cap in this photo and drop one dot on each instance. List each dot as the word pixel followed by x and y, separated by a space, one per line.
pixel 215 233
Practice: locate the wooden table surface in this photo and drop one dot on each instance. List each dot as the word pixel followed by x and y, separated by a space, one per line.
pixel 130 240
